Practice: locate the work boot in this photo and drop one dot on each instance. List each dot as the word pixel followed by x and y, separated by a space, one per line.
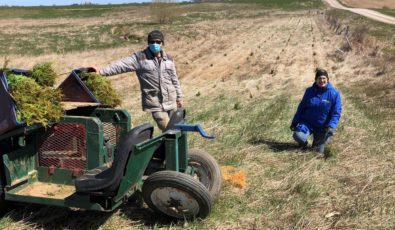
pixel 321 150
pixel 303 146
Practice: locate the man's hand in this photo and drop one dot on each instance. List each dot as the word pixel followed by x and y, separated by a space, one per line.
pixel 292 127
pixel 329 131
pixel 97 70
pixel 180 104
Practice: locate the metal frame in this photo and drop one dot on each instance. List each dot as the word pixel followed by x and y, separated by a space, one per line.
pixel 22 170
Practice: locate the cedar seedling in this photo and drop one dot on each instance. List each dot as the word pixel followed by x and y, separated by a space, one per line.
pixel 44 74
pixel 101 88
pixel 35 104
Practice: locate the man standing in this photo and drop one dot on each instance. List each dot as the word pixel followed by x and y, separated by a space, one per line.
pixel 160 88
pixel 318 113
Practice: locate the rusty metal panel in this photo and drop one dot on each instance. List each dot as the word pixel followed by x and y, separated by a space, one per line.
pixel 64 146
pixel 95 151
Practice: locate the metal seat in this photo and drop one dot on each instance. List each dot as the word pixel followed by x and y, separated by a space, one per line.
pixel 177 117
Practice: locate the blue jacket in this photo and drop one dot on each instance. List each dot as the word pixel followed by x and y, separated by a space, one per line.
pixel 319 108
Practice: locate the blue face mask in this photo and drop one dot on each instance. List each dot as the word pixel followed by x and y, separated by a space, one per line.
pixel 155 48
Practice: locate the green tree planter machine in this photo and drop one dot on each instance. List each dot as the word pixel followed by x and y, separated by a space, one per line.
pixel 92 159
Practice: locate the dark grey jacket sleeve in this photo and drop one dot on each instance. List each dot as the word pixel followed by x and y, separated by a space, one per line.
pixel 128 64
pixel 176 83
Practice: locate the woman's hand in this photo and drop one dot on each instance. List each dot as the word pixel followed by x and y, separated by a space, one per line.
pixel 329 131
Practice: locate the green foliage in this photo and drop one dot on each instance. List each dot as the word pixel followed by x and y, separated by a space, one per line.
pixel 76 11
pixel 244 124
pixel 284 4
pixel 101 88
pixel 386 10
pixel 44 74
pixel 73 39
pixel 63 38
pixel 163 11
pixel 306 190
pixel 35 104
pixel 237 106
pixel 382 31
pixel 7 71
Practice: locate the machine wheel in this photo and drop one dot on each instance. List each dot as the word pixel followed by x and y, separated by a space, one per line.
pixel 207 170
pixel 176 195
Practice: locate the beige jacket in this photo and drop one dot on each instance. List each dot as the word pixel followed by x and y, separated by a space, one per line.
pixel 159 84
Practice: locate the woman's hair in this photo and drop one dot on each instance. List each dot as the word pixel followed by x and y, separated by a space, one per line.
pixel 321 72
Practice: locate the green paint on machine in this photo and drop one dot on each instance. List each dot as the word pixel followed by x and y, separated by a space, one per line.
pixel 91 159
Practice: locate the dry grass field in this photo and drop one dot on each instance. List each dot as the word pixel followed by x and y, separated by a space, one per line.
pixel 370 4
pixel 243 69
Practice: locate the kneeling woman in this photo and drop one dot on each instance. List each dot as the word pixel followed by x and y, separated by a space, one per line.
pixel 318 113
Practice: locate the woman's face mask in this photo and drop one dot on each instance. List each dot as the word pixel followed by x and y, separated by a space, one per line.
pixel 154 47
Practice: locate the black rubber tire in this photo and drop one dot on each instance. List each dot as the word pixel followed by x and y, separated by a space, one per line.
pixel 207 170
pixel 171 183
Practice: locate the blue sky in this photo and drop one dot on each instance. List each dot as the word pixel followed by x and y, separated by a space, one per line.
pixel 63 2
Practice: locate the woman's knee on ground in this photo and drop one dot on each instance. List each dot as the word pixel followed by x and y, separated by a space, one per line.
pixel 300 137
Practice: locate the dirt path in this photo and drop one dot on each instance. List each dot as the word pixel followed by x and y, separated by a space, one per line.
pixel 370 4
pixel 365 12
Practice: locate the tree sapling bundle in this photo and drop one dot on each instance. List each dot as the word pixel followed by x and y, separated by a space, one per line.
pixel 44 74
pixel 101 88
pixel 35 104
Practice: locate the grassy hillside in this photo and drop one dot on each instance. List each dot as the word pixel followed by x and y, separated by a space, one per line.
pixel 284 4
pixel 46 12
pixel 61 36
pixel 243 69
